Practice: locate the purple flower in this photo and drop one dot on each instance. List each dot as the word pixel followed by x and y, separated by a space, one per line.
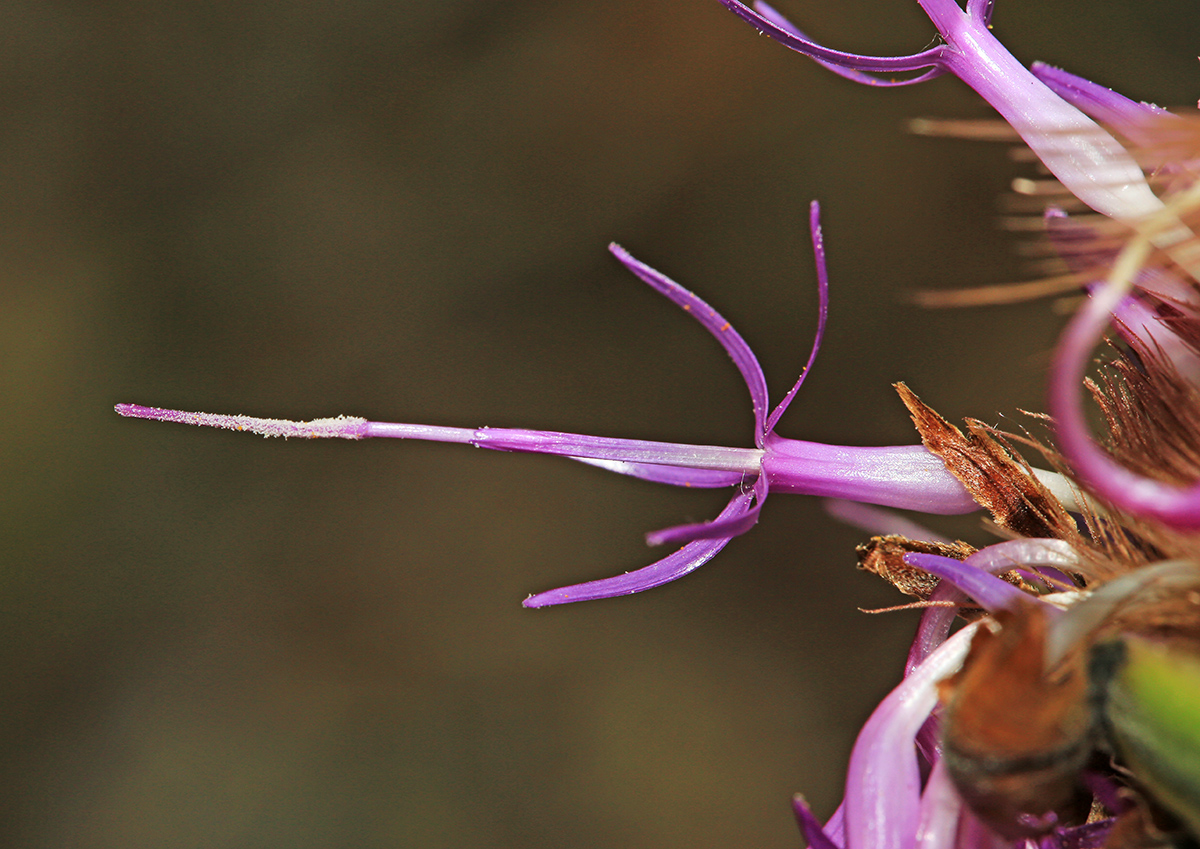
pixel 1078 151
pixel 887 804
pixel 907 477
pixel 1050 108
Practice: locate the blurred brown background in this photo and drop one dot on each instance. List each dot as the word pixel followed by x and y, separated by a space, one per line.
pixel 400 210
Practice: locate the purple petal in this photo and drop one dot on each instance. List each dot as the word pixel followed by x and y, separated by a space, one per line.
pixel 715 324
pixel 864 78
pixel 989 592
pixel 941 808
pixel 1133 119
pixel 818 241
pixel 1084 157
pixel 883 783
pixel 810 827
pixel 673 566
pixel 716 529
pixel 786 35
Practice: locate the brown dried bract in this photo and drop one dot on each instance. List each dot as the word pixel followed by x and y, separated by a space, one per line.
pixel 1001 484
pixel 884 556
pixel 1152 415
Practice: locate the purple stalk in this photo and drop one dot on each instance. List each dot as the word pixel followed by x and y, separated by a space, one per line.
pixel 907 477
pixel 1081 154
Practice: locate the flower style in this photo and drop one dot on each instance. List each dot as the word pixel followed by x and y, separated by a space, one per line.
pixel 907 477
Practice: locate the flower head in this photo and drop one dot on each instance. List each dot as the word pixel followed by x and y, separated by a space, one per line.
pixel 899 476
pixel 1091 610
pixel 1056 114
pixel 989 739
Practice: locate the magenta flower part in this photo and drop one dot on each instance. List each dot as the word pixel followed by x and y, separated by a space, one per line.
pixel 887 806
pixel 1078 151
pixel 940 811
pixel 883 783
pixel 1052 555
pixel 907 477
pixel 988 591
pixel 1176 506
pixel 810 827
pixel 1105 105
